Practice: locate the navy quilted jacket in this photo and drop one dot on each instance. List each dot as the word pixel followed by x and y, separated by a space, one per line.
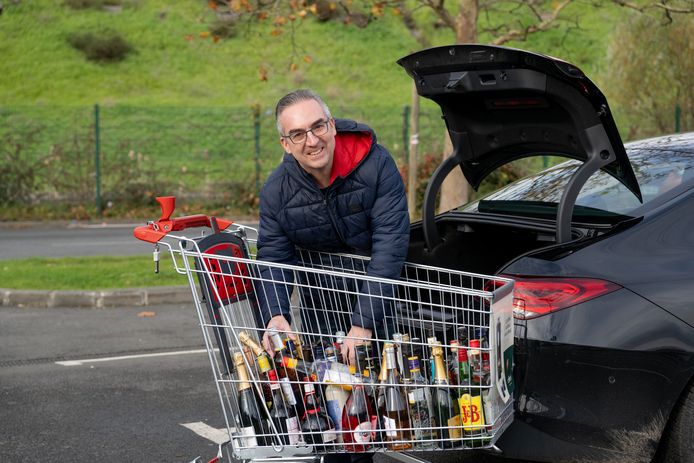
pixel 363 212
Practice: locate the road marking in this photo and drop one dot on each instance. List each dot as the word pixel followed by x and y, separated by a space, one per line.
pixel 218 436
pixel 72 363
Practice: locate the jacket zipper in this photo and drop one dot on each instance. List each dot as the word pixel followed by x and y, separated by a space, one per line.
pixel 333 221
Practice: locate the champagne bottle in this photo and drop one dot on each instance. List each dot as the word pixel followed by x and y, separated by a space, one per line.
pixel 422 418
pixel 283 415
pixel 443 405
pixel 396 422
pixel 254 430
pixel 316 426
pixel 262 360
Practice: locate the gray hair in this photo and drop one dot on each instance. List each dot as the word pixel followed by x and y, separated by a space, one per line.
pixel 295 97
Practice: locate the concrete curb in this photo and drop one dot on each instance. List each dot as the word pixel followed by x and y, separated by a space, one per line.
pixel 129 297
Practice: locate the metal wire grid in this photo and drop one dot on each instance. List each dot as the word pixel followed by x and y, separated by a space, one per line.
pixel 322 289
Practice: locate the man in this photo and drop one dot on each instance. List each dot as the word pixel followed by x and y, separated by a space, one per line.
pixel 336 190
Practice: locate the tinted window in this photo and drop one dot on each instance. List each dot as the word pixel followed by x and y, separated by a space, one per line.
pixel 657 172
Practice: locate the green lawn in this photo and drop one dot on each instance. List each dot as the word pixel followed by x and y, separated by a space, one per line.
pixel 87 273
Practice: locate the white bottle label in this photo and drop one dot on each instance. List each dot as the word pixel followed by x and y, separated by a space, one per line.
pixel 293 430
pixel 287 391
pixel 329 436
pixel 390 427
pixel 248 439
pixel 362 433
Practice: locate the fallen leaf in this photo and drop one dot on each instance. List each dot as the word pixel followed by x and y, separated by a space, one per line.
pixel 147 313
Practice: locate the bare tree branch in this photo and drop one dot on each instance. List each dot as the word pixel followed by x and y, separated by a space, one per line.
pixel 548 22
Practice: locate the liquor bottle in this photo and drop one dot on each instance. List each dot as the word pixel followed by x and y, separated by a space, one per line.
pixel 365 362
pixel 358 419
pixel 396 422
pixel 432 341
pixel 283 415
pixel 398 344
pixel 418 351
pixel 338 344
pixel 253 360
pixel 422 418
pixel 254 430
pixel 405 353
pixel 317 428
pixel 452 363
pixel 443 405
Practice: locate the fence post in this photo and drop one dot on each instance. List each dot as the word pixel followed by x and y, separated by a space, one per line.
pixel 678 117
pixel 256 126
pixel 406 132
pixel 97 156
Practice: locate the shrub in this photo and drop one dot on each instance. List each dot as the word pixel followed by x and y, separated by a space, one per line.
pixel 105 47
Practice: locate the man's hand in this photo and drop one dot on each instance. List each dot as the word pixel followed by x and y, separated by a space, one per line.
pixel 348 346
pixel 281 324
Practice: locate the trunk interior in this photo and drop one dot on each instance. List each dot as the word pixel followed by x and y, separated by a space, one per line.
pixel 476 246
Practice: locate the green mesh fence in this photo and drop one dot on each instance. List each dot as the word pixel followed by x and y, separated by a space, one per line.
pixel 218 154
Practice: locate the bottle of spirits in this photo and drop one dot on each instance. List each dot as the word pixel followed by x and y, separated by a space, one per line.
pixel 399 348
pixel 452 363
pixel 358 419
pixel 422 418
pixel 282 415
pixel 317 428
pixel 254 429
pixel 396 422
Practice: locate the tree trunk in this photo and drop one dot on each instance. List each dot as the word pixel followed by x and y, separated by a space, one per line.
pixel 455 190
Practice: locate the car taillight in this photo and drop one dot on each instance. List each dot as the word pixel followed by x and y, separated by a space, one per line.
pixel 537 296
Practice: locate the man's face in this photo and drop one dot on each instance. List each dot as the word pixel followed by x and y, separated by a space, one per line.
pixel 315 153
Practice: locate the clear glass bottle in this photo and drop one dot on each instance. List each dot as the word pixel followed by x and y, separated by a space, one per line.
pixel 357 420
pixel 396 421
pixel 422 418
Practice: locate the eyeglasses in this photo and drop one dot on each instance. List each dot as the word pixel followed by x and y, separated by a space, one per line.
pixel 299 136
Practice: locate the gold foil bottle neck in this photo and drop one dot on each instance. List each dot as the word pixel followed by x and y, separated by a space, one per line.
pixel 247 340
pixel 241 369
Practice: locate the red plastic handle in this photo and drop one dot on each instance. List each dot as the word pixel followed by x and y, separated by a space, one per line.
pixel 155 231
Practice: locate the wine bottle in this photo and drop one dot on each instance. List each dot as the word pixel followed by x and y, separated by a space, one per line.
pixel 262 360
pixel 254 429
pixel 357 419
pixel 317 428
pixel 283 415
pixel 396 422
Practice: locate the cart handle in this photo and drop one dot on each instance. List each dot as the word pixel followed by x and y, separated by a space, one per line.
pixel 155 231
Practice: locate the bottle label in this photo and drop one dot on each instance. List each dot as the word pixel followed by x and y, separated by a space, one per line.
pixel 329 435
pixel 362 433
pixel 248 438
pixel 288 392
pixel 293 430
pixel 335 412
pixel 471 412
pixel 263 364
pixel 416 396
pixel 390 426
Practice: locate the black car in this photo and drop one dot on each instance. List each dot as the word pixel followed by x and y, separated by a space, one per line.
pixel 601 248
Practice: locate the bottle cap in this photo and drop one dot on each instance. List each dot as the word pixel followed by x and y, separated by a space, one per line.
pixel 272 376
pixel 462 354
pixel 474 343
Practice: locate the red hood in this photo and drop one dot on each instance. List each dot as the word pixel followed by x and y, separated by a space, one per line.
pixel 350 149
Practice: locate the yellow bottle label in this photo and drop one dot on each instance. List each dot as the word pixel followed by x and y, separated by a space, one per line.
pixel 264 364
pixel 471 412
pixel 454 429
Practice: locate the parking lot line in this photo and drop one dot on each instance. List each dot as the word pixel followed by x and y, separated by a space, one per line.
pixel 72 363
pixel 218 436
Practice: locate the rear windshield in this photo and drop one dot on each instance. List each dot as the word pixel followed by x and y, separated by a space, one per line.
pixel 657 171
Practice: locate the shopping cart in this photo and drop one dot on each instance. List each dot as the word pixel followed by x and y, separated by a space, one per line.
pixel 435 375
